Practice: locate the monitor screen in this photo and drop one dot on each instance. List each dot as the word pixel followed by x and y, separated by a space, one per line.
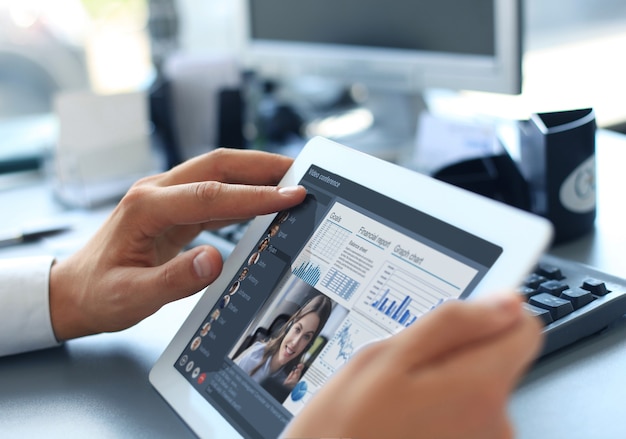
pixel 407 45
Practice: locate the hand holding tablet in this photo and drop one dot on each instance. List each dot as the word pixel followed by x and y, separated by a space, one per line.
pixel 448 376
pixel 384 246
pixel 137 251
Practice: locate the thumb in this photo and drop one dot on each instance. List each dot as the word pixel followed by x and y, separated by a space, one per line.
pixel 185 274
pixel 456 324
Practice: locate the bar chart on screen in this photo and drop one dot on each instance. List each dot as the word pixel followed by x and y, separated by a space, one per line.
pixel 313 262
pixel 397 297
pixel 308 272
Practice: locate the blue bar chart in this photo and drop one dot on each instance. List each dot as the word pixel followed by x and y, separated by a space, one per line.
pixel 308 272
pixel 390 307
pixel 398 297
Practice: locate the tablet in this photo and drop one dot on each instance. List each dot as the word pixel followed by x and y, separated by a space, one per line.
pixel 372 248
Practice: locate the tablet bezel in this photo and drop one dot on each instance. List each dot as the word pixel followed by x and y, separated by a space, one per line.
pixel 522 236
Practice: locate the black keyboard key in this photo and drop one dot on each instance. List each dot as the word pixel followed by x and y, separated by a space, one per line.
pixel 541 313
pixel 578 297
pixel 534 280
pixel 549 271
pixel 527 292
pixel 558 307
pixel 595 286
pixel 554 287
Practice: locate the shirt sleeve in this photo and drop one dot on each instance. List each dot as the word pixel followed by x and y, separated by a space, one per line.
pixel 25 323
pixel 251 357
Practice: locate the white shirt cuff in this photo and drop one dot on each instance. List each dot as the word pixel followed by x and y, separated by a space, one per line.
pixel 25 323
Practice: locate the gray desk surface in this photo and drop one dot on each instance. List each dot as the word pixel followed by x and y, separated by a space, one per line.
pixel 98 386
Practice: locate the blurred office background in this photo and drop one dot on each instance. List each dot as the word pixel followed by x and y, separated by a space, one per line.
pixel 572 56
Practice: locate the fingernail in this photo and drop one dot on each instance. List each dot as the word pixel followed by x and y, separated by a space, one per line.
pixel 202 265
pixel 289 190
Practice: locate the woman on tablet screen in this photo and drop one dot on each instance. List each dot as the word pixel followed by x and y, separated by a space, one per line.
pixel 278 360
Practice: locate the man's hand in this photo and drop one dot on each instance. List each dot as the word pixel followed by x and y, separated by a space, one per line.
pixel 133 265
pixel 449 375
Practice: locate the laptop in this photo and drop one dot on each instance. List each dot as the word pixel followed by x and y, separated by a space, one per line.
pixel 372 248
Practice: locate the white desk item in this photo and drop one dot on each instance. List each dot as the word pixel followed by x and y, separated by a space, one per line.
pixel 103 146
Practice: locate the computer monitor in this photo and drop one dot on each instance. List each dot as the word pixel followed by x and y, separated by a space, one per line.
pixel 391 47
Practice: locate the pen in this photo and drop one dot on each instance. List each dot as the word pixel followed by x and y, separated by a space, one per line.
pixel 27 235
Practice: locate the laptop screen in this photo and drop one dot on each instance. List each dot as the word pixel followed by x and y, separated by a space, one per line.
pixel 344 268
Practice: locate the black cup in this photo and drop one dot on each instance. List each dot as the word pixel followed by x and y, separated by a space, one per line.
pixel 558 161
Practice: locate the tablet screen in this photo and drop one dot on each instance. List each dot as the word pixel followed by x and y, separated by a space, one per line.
pixel 344 268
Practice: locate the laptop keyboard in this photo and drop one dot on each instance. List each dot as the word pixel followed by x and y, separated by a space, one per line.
pixel 572 300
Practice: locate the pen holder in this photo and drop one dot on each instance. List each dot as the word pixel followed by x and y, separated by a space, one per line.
pixel 558 161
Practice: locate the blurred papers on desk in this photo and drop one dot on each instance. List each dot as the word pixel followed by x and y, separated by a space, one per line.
pixel 442 141
pixel 103 146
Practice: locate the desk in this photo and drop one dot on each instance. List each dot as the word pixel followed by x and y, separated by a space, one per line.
pixel 98 387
